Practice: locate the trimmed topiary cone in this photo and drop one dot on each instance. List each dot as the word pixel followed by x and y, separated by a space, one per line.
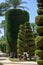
pixel 26 40
pixel 39 39
pixel 40 5
pixel 40 11
pixel 40 30
pixel 39 42
pixel 14 18
pixel 40 1
pixel 39 20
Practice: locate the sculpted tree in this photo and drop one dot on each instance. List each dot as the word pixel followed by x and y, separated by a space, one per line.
pixel 25 40
pixel 39 39
pixel 14 17
pixel 21 40
pixel 30 43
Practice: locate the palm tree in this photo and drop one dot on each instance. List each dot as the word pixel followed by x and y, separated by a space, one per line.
pixel 16 3
pixel 3 8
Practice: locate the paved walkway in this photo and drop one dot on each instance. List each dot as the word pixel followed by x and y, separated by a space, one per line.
pixel 21 63
pixel 5 61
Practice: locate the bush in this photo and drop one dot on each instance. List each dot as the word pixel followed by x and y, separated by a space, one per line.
pixel 40 5
pixel 39 53
pixel 39 20
pixel 40 30
pixel 39 42
pixel 39 1
pixel 39 61
pixel 40 11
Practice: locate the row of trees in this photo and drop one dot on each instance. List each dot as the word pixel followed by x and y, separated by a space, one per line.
pixel 13 19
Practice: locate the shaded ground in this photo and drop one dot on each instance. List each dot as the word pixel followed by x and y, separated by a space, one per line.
pixel 5 61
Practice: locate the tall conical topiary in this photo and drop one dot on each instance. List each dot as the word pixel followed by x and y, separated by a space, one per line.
pixel 29 40
pixel 14 18
pixel 39 39
pixel 26 40
pixel 21 40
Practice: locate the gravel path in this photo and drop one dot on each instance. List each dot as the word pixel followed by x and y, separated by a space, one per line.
pixel 5 61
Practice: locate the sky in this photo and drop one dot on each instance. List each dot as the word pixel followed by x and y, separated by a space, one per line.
pixel 31 5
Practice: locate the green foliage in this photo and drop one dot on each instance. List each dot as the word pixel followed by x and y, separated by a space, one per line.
pixel 27 39
pixel 40 1
pixel 40 30
pixel 16 3
pixel 39 61
pixel 39 39
pixel 39 20
pixel 14 18
pixel 40 11
pixel 3 25
pixel 39 53
pixel 21 39
pixel 3 7
pixel 40 5
pixel 39 42
pixel 3 44
pixel 17 15
pixel 33 26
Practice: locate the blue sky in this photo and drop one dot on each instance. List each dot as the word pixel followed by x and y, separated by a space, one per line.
pixel 32 5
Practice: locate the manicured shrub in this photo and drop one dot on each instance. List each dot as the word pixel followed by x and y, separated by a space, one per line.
pixel 39 42
pixel 39 53
pixel 40 1
pixel 21 41
pixel 14 18
pixel 39 39
pixel 40 30
pixel 39 61
pixel 29 40
pixel 39 20
pixel 40 11
pixel 40 5
pixel 28 43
